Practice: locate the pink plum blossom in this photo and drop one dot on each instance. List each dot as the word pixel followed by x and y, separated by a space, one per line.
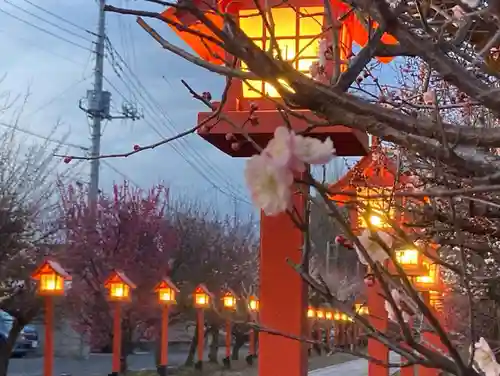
pixel 280 148
pixel 270 185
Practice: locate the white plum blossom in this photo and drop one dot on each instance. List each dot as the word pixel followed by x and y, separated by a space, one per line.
pixel 270 186
pixel 400 304
pixel 485 359
pixel 269 175
pixel 374 249
pixel 471 3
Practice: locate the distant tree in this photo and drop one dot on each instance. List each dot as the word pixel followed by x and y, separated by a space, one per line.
pixel 27 232
pixel 127 231
pixel 220 251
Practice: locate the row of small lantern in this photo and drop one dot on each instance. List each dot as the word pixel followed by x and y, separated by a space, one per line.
pixel 51 279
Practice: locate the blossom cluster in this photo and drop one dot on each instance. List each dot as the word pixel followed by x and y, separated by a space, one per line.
pixel 270 174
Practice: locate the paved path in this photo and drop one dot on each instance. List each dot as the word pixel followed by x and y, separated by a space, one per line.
pixel 357 367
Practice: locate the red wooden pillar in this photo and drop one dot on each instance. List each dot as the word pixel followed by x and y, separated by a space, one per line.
pixel 378 318
pixel 433 340
pixel 283 296
pixel 407 371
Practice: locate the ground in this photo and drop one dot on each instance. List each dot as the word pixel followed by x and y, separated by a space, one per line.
pixel 100 365
pixel 240 368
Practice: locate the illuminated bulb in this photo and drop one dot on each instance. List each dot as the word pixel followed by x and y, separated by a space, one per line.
pixel 375 220
pixel 165 296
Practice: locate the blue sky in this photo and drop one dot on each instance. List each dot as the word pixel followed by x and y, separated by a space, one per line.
pixel 57 71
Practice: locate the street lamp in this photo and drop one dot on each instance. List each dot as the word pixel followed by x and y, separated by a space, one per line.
pixel 119 287
pixel 229 301
pixel 202 300
pixel 167 296
pixel 51 277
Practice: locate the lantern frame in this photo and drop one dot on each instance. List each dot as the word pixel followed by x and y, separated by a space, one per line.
pixel 202 297
pixel 51 268
pixel 320 314
pixel 167 289
pixel 373 175
pixel 119 286
pixel 311 312
pixel 253 304
pixel 229 300
pixel 328 315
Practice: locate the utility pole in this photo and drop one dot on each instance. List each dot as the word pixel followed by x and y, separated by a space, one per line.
pixel 98 106
pixel 100 102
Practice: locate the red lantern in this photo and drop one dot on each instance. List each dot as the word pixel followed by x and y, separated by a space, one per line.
pixel 119 286
pixel 51 277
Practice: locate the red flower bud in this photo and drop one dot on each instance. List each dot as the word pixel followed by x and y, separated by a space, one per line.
pixel 67 159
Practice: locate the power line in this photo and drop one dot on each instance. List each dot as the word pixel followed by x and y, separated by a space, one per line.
pixel 57 96
pixel 44 30
pixel 106 163
pixel 196 154
pixel 46 138
pixel 48 22
pixel 60 18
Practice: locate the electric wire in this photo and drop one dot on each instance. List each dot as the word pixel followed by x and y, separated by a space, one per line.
pixel 123 175
pixel 60 18
pixel 160 110
pixel 47 22
pixel 44 30
pixel 46 138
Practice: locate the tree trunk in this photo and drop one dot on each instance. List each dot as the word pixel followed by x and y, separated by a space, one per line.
pixel 6 346
pixel 214 345
pixel 127 349
pixel 192 349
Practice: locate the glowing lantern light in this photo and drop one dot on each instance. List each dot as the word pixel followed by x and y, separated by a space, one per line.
pixel 337 316
pixel 202 297
pixel 119 286
pixel 229 300
pixel 369 186
pixel 311 313
pixel 361 309
pixel 253 304
pixel 329 315
pixel 51 277
pixel 320 314
pixel 167 292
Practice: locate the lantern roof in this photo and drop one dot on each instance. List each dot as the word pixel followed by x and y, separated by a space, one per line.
pixel 204 289
pixel 178 19
pixel 118 276
pixel 51 266
pixel 166 283
pixel 375 168
pixel 229 292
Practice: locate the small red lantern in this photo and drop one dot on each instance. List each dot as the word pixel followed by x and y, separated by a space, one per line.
pixel 202 297
pixel 253 304
pixel 311 313
pixel 229 300
pixel 167 292
pixel 119 286
pixel 51 277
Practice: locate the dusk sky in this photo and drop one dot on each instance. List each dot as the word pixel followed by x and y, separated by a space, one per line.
pixel 54 62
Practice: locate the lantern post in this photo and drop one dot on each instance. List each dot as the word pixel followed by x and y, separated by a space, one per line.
pixel 253 309
pixel 320 318
pixel 119 287
pixel 167 296
pixel 374 175
pixel 431 287
pixel 329 321
pixel 229 302
pixel 202 300
pixel 50 277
